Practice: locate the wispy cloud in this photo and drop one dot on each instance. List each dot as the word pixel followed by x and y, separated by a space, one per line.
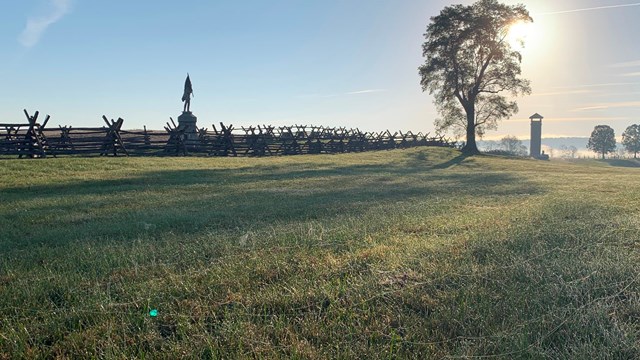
pixel 567 92
pixel 37 25
pixel 632 74
pixel 591 9
pixel 587 86
pixel 626 64
pixel 365 91
pixel 617 95
pixel 359 92
pixel 609 105
pixel 574 119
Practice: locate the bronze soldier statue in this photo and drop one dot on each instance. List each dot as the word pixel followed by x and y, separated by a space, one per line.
pixel 188 92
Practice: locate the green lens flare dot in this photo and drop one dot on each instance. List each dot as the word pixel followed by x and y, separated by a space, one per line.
pixel 153 313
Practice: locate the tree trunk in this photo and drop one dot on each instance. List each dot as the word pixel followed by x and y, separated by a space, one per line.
pixel 471 147
pixel 603 154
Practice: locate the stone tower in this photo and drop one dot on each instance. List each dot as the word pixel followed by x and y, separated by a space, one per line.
pixel 536 135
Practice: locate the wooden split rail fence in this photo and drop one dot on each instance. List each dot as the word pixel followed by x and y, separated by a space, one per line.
pixel 35 140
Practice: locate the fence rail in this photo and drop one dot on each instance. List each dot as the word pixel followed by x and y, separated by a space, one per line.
pixel 34 140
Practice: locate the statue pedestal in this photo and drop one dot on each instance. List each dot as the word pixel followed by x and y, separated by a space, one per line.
pixel 187 123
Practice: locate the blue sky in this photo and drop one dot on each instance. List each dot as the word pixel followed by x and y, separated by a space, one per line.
pixel 333 62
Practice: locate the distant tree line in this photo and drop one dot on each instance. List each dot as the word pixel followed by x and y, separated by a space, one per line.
pixel 603 140
pixel 509 146
pixel 513 146
pixel 569 152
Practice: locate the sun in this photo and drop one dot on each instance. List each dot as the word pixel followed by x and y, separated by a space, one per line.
pixel 521 34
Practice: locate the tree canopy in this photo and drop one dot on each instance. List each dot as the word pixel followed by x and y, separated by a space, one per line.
pixel 631 139
pixel 602 140
pixel 469 63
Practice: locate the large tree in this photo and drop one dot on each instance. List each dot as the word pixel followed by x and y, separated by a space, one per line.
pixel 631 139
pixel 469 63
pixel 602 140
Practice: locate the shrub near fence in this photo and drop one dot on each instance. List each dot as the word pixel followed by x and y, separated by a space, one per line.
pixel 34 140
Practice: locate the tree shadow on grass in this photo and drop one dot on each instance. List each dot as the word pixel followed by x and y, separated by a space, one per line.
pixel 423 160
pixel 630 163
pixel 453 162
pixel 192 201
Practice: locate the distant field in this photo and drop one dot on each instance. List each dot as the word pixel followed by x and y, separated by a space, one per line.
pixel 419 253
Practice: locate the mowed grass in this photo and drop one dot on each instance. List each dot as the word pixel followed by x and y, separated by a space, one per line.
pixel 420 253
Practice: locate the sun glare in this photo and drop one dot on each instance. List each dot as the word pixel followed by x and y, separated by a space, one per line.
pixel 522 33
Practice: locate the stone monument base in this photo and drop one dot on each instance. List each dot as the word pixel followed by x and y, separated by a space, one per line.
pixel 187 123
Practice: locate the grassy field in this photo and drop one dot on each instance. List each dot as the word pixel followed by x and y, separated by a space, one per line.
pixel 420 254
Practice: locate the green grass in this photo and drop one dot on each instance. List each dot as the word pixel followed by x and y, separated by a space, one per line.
pixel 420 254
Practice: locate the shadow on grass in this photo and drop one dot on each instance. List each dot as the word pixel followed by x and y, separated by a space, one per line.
pixel 453 162
pixel 632 163
pixel 191 201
